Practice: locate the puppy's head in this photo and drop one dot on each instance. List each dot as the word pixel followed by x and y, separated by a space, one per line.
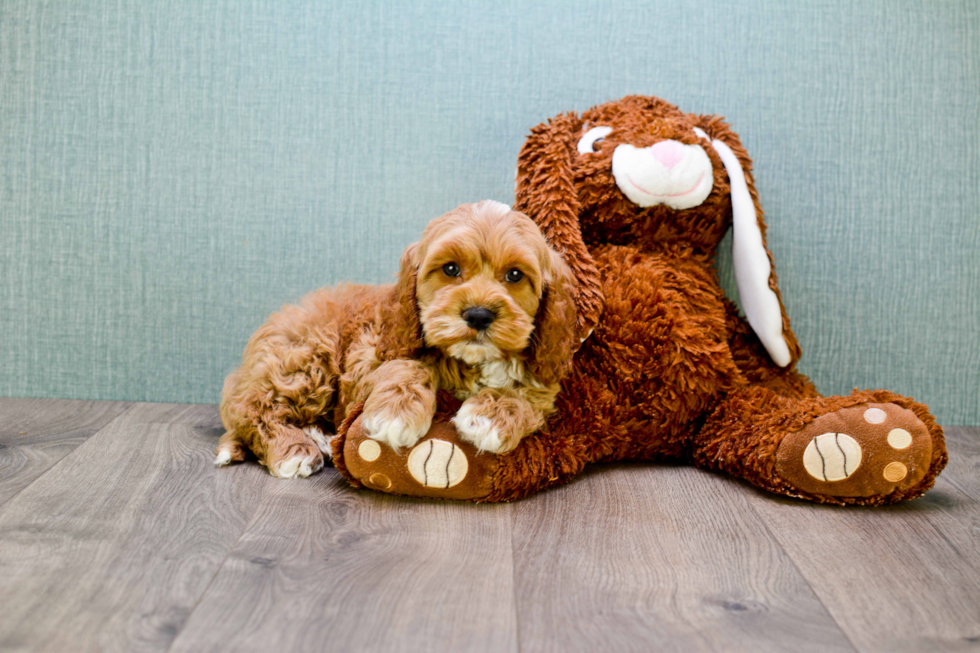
pixel 485 286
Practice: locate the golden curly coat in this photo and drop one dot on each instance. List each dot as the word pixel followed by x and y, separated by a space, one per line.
pixel 482 308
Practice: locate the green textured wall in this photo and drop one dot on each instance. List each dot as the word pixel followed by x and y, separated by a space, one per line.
pixel 171 171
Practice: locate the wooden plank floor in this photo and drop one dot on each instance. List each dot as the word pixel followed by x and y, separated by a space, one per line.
pixel 117 534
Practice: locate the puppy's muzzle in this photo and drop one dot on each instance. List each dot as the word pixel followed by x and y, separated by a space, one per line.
pixel 479 318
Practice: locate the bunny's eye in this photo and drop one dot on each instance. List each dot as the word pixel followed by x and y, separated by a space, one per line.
pixel 586 144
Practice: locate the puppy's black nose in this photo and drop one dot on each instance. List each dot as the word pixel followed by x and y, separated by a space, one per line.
pixel 479 318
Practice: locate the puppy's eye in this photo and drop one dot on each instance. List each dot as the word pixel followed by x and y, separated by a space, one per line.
pixel 514 275
pixel 451 270
pixel 586 144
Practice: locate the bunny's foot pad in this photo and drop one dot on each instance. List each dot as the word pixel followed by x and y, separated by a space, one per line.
pixel 440 465
pixel 871 449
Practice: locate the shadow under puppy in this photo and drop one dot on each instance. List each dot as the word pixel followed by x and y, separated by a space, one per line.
pixel 482 308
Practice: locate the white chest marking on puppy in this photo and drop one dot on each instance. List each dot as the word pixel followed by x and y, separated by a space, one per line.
pixel 474 353
pixel 500 374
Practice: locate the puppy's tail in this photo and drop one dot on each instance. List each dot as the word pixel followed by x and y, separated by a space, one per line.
pixel 230 449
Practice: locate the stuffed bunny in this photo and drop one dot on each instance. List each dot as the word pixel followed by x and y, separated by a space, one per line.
pixel 636 195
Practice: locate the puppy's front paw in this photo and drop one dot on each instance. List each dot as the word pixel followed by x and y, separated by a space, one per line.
pixel 480 430
pixel 402 429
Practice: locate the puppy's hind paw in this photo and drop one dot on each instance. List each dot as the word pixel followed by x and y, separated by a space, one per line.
pixel 222 459
pixel 298 466
pixel 297 459
pixel 227 453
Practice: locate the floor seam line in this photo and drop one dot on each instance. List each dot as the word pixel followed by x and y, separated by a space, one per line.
pixel 221 566
pixel 806 580
pixel 68 455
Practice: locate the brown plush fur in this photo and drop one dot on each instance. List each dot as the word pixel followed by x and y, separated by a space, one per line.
pixel 393 347
pixel 672 370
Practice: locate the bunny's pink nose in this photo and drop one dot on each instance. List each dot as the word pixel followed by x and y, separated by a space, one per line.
pixel 668 153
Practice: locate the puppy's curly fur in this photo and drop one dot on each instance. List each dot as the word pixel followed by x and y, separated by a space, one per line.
pixel 394 346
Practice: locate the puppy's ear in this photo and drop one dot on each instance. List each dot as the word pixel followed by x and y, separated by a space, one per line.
pixel 555 337
pixel 401 329
pixel 755 268
pixel 546 192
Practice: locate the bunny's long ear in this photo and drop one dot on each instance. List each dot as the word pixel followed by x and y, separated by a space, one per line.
pixel 755 271
pixel 546 192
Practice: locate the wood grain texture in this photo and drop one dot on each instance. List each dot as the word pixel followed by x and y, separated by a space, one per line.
pixel 643 558
pixel 112 548
pixel 901 578
pixel 327 568
pixel 37 433
pixel 963 470
pixel 133 542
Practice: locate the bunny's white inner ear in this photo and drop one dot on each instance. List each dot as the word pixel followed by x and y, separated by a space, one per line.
pixel 752 268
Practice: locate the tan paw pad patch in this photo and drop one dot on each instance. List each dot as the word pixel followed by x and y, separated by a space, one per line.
pixel 899 439
pixel 895 472
pixel 832 457
pixel 437 463
pixel 874 416
pixel 369 450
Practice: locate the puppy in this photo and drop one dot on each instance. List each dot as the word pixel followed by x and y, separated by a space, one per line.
pixel 482 308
